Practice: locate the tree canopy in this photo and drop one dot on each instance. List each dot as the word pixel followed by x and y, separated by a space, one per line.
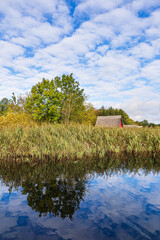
pixel 44 101
pixel 54 100
pixel 73 97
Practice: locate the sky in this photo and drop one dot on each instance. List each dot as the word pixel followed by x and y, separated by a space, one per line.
pixel 112 47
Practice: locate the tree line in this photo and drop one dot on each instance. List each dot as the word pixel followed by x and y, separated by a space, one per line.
pixel 61 100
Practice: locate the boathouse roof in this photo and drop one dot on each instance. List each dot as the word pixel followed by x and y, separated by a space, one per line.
pixel 109 121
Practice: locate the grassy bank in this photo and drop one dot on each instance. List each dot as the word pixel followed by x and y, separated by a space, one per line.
pixel 72 142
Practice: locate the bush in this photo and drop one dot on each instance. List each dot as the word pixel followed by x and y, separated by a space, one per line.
pixel 12 119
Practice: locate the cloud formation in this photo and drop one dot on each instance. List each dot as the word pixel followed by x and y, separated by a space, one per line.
pixel 111 47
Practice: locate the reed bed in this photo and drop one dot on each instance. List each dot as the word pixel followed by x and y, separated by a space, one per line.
pixel 74 142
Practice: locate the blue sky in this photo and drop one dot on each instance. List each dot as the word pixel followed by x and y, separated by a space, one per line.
pixel 111 46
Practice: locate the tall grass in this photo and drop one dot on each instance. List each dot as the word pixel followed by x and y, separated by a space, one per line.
pixel 73 142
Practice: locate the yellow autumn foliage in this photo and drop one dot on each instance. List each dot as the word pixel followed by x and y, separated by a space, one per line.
pixel 12 119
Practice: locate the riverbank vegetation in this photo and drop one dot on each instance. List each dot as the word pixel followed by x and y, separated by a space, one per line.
pixel 54 122
pixel 58 142
pixel 60 100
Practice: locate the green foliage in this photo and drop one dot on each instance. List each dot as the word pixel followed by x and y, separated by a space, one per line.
pixel 145 123
pixel 60 99
pixel 111 111
pixel 4 104
pixel 44 101
pixel 73 97
pixel 85 114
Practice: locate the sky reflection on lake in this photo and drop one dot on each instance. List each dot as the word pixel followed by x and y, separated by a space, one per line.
pixel 118 206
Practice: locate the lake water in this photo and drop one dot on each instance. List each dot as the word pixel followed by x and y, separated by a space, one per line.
pixel 79 202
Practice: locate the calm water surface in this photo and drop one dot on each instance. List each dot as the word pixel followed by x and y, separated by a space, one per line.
pixel 79 202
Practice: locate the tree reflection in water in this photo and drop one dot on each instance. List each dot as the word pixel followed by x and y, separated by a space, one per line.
pixel 58 189
pixel 59 197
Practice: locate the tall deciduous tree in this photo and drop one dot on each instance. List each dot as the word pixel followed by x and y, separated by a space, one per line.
pixel 44 101
pixel 73 97
pixel 58 99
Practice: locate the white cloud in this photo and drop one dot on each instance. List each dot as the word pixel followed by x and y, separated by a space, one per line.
pixel 138 5
pixel 151 71
pixel 139 109
pixel 143 50
pixel 92 7
pixel 8 52
pixel 114 54
pixel 28 20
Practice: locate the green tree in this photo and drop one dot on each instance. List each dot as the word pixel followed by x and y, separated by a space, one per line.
pixel 73 97
pixel 4 104
pixel 44 101
pixel 58 99
pixel 145 123
pixel 86 114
